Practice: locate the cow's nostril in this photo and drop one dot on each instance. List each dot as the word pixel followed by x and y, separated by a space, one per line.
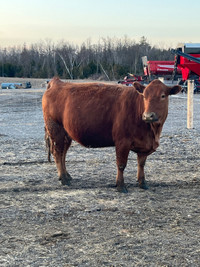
pixel 144 116
pixel 151 115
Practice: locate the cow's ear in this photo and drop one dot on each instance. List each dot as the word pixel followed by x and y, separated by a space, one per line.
pixel 175 90
pixel 139 87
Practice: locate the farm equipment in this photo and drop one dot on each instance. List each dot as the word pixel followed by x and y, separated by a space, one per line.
pixel 130 78
pixel 184 85
pixel 155 69
pixel 187 59
pixel 185 65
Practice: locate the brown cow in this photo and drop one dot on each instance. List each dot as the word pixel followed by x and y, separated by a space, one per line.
pixel 103 115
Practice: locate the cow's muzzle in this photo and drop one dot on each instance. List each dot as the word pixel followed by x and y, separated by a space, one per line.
pixel 149 117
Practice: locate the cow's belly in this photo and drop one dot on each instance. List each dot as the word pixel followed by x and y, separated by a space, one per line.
pixel 91 138
pixel 94 141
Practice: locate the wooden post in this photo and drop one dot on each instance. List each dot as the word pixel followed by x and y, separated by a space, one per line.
pixel 190 94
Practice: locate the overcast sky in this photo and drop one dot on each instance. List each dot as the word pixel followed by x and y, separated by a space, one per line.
pixel 163 23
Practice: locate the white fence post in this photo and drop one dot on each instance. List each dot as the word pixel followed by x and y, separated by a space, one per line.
pixel 190 94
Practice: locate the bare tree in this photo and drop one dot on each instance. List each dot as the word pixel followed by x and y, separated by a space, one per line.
pixel 111 57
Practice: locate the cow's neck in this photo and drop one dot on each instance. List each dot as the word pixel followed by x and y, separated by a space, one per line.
pixel 156 129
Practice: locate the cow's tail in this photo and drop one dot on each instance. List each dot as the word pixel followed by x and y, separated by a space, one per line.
pixel 48 145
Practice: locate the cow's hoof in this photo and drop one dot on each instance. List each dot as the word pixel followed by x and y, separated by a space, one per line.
pixel 68 176
pixel 122 189
pixel 65 179
pixel 143 185
pixel 65 182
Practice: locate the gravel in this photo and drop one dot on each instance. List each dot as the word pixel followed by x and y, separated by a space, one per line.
pixel 89 223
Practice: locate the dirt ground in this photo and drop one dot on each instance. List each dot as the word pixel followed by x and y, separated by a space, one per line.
pixel 89 223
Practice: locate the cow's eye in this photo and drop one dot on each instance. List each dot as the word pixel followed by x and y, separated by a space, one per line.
pixel 162 96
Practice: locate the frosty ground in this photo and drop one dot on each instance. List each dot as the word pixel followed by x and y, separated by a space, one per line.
pixel 90 223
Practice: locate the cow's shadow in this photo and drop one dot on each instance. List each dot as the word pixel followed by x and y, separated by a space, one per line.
pixel 78 184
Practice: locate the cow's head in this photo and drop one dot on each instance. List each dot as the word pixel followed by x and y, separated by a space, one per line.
pixel 155 97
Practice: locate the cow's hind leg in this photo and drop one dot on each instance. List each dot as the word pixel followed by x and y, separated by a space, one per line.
pixel 65 177
pixel 60 142
pixel 140 173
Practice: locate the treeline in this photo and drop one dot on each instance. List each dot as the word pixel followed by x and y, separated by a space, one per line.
pixel 111 59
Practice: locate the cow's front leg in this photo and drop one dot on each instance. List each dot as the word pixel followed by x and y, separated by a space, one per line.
pixel 122 157
pixel 141 159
